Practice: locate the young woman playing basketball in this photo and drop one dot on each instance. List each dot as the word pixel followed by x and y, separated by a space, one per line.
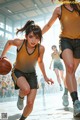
pixel 57 66
pixel 29 52
pixel 59 71
pixel 68 14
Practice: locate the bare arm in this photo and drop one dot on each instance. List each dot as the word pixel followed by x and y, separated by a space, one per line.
pixel 15 42
pixel 41 65
pixel 51 61
pixel 50 64
pixel 55 15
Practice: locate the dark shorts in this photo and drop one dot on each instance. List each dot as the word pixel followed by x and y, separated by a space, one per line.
pixel 58 65
pixel 72 44
pixel 31 78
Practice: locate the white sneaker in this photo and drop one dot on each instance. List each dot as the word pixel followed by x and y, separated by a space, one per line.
pixel 65 100
pixel 20 104
pixel 76 107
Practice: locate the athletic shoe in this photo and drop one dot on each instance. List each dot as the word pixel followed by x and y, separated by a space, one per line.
pixel 76 108
pixel 65 100
pixel 20 104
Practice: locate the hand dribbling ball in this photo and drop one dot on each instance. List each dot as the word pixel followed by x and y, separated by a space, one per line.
pixel 5 66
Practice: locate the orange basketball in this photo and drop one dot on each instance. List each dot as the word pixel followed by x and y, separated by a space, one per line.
pixel 5 66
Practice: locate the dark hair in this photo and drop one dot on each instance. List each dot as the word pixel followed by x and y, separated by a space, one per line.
pixel 31 27
pixel 54 46
pixel 75 5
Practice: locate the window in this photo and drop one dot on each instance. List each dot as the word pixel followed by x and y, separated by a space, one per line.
pixel 8 36
pixel 8 28
pixel 1 25
pixel 1 21
pixel 8 25
pixel 1 33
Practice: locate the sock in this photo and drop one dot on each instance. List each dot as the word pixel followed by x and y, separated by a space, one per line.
pixel 65 91
pixel 60 85
pixel 74 96
pixel 21 97
pixel 22 118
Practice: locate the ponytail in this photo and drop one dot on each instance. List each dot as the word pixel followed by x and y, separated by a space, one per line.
pixel 30 22
pixel 31 27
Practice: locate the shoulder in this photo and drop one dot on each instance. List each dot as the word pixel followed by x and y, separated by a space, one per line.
pixel 52 54
pixel 18 42
pixel 58 10
pixel 41 48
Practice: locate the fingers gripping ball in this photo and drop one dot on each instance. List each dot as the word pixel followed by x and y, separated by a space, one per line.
pixel 5 66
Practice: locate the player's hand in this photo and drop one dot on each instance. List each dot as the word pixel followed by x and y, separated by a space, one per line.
pixel 49 80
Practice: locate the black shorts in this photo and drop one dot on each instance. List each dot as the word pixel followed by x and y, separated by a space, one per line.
pixel 72 44
pixel 31 78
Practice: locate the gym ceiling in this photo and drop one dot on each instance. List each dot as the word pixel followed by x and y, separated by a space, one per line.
pixel 18 10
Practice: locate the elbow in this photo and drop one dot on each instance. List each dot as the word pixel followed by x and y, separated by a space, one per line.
pixel 48 25
pixel 40 62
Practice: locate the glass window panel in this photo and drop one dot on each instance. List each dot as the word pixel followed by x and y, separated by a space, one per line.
pixel 1 25
pixel 1 21
pixel 8 28
pixel 1 33
pixel 8 36
pixel 8 25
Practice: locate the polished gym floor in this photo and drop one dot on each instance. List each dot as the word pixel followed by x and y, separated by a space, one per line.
pixel 46 107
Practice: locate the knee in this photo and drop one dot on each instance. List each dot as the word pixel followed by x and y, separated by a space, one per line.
pixel 70 68
pixel 26 91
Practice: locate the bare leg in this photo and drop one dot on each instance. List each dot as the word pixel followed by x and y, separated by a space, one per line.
pixel 30 102
pixel 24 90
pixel 58 78
pixel 71 66
pixel 65 100
pixel 70 70
pixel 64 82
pixel 24 86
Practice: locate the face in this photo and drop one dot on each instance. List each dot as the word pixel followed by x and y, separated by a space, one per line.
pixel 54 48
pixel 32 39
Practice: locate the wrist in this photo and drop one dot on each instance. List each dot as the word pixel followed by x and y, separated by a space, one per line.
pixel 45 76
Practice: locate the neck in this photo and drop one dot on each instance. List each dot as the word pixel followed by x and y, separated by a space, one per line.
pixel 28 46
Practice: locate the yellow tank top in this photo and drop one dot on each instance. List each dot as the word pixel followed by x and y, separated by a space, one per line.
pixel 55 56
pixel 70 23
pixel 26 62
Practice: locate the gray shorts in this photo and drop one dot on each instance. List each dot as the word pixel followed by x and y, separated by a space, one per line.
pixel 58 65
pixel 72 44
pixel 31 78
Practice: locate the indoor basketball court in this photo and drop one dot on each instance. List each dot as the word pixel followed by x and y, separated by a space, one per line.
pixel 48 106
